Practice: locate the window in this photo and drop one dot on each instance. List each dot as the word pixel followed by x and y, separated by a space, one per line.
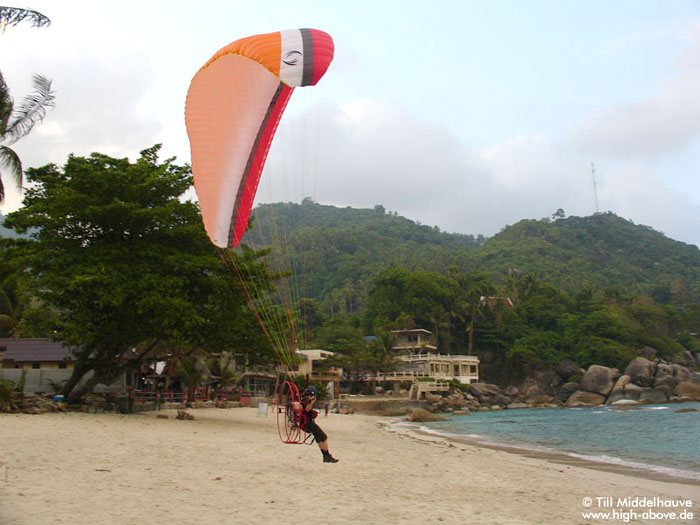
pixel 36 365
pixel 62 364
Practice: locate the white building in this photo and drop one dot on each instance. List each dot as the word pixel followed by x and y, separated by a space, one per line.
pixel 309 368
pixel 418 358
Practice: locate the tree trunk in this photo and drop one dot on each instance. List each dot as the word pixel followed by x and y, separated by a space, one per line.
pixel 81 368
pixel 471 330
pixel 77 393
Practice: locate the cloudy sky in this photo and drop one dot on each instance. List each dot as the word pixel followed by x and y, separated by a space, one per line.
pixel 468 115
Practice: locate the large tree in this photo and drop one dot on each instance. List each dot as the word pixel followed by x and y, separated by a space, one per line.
pixel 124 262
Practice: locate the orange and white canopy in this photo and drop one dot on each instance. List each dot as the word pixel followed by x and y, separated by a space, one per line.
pixel 233 107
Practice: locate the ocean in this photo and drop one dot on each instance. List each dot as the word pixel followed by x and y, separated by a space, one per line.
pixel 650 437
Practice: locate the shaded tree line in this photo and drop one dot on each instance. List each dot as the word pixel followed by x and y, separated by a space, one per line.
pixel 117 264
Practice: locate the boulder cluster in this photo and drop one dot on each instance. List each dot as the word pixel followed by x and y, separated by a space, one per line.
pixel 646 379
pixel 485 396
pixel 643 381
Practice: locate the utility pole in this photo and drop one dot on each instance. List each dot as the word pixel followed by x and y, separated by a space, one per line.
pixel 595 187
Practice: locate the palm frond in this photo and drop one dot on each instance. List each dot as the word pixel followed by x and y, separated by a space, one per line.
pixel 10 160
pixel 32 110
pixel 11 16
pixel 6 106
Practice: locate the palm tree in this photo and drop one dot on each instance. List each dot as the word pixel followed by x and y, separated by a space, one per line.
pixel 11 16
pixel 221 370
pixel 472 289
pixel 384 348
pixel 191 372
pixel 17 123
pixel 441 319
pixel 11 309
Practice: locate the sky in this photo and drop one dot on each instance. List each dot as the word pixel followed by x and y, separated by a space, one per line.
pixel 468 115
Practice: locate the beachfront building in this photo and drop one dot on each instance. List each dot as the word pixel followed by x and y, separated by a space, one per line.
pixel 47 364
pixel 463 368
pixel 35 354
pixel 417 341
pixel 418 354
pixel 418 359
pixel 309 368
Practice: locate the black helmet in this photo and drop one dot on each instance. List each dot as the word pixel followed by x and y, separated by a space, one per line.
pixel 310 391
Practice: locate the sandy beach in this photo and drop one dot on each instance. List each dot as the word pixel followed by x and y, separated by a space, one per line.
pixel 229 466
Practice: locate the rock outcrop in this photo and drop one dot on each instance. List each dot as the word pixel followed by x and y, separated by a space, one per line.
pixel 599 379
pixel 688 389
pixel 641 370
pixel 582 398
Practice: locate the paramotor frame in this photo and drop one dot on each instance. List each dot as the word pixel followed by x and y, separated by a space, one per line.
pixel 291 416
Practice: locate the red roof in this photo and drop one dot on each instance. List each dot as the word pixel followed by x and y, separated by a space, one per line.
pixel 493 301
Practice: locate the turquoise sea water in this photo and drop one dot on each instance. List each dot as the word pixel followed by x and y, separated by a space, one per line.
pixel 654 437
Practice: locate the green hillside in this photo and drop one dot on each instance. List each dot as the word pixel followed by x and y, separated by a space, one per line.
pixel 600 251
pixel 341 250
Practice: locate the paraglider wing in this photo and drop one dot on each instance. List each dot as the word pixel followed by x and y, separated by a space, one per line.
pixel 233 107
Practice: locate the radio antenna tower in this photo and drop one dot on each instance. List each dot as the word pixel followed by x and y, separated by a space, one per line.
pixel 595 187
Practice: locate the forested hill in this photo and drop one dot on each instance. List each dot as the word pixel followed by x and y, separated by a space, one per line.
pixel 342 249
pixel 345 248
pixel 600 251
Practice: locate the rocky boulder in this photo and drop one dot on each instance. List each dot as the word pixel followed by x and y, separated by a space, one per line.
pixel 421 415
pixel 654 395
pixel 663 370
pixel 541 383
pixel 627 391
pixel 488 394
pixel 582 398
pixel 641 370
pixel 681 373
pixel 568 368
pixel 648 352
pixel 668 383
pixel 623 380
pixel 681 360
pixel 566 390
pixel 599 379
pixel 690 389
pixel 480 390
pixel 512 391
pixel 689 358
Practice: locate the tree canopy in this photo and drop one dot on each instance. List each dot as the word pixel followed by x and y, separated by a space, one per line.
pixel 123 263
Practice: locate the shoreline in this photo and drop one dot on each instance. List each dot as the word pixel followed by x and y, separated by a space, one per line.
pixel 228 466
pixel 561 458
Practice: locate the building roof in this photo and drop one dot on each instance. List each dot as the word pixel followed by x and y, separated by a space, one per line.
pixel 492 301
pixel 412 331
pixel 34 350
pixel 315 354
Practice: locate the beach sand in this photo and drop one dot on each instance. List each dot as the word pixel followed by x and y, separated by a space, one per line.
pixel 228 466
